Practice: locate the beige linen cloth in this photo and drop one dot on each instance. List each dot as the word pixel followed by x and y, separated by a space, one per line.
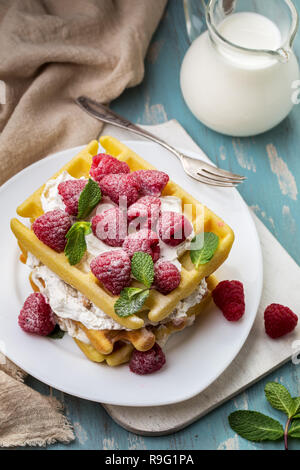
pixel 52 51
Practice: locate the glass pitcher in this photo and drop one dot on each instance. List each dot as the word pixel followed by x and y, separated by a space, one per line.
pixel 237 76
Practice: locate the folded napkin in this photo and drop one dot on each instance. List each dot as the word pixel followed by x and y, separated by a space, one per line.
pixel 26 416
pixel 51 52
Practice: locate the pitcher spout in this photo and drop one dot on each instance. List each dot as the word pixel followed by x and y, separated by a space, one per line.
pixel 283 54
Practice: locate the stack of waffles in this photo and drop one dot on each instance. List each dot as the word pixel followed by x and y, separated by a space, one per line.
pixel 113 338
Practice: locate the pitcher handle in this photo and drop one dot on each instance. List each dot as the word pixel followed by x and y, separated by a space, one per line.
pixel 194 12
pixel 195 15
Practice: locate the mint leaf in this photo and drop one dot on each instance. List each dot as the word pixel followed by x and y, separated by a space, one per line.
pixel 255 426
pixel 131 292
pixel 76 244
pixel 203 248
pixel 142 268
pixel 57 333
pixel 75 247
pixel 89 198
pixel 130 302
pixel 279 397
pixel 86 226
pixel 294 430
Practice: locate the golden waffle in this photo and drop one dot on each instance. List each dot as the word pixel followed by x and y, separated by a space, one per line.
pixel 115 346
pixel 79 166
pixel 121 355
pixel 159 306
pixel 163 332
pixel 104 340
pixel 106 344
pixel 122 351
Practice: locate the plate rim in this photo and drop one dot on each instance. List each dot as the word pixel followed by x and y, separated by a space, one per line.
pixel 243 338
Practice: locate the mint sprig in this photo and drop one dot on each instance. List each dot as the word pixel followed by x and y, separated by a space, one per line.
pixel 132 299
pixel 76 244
pixel 255 426
pixel 89 198
pixel 142 268
pixel 203 248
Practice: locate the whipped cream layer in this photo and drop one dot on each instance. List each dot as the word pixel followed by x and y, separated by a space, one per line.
pixel 172 253
pixel 72 329
pixel 69 304
pixel 52 200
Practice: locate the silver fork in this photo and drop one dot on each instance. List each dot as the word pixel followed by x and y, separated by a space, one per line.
pixel 197 169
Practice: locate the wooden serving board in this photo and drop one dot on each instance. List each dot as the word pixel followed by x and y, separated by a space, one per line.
pixel 259 356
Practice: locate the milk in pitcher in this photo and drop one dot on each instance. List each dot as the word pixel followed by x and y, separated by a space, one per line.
pixel 236 91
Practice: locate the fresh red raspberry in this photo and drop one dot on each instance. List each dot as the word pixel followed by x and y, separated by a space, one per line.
pixel 229 297
pixel 147 210
pixel 36 315
pixel 70 192
pixel 152 182
pixel 147 362
pixel 52 227
pixel 104 164
pixel 166 276
pixel 121 187
pixel 113 270
pixel 174 228
pixel 279 320
pixel 110 226
pixel 145 240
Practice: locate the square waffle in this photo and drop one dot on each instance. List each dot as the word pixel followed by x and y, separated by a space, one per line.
pixel 123 348
pixel 158 306
pixel 116 346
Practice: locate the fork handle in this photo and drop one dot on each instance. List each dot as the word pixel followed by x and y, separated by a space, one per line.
pixel 104 114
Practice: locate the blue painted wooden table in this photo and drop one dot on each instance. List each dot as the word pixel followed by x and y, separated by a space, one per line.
pixel 272 164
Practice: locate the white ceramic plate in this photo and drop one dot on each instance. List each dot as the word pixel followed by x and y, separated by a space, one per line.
pixel 195 357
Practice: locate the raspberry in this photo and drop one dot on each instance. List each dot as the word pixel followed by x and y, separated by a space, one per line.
pixel 152 182
pixel 70 192
pixel 121 187
pixel 279 320
pixel 166 276
pixel 174 228
pixel 113 269
pixel 229 297
pixel 104 164
pixel 36 315
pixel 147 362
pixel 51 228
pixel 110 226
pixel 147 209
pixel 145 240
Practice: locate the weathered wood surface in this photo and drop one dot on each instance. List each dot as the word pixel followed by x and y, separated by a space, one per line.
pixel 272 165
